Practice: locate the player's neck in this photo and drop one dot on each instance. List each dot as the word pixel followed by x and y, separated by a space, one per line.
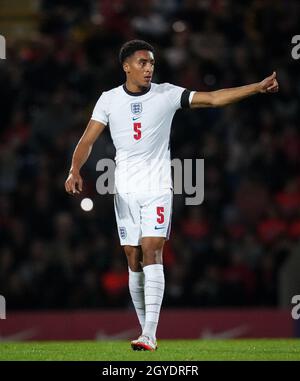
pixel 133 88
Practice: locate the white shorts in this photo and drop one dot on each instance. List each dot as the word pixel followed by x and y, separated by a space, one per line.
pixel 143 215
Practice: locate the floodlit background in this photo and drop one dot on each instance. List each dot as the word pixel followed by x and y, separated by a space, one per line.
pixel 240 248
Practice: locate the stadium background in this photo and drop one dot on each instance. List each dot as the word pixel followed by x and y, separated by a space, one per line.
pixel 240 248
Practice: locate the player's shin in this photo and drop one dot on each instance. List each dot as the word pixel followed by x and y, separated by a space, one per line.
pixel 154 291
pixel 136 289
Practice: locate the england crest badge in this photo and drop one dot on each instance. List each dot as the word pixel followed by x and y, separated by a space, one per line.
pixel 136 108
pixel 123 233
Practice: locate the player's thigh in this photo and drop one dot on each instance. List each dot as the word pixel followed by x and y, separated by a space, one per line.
pixel 127 211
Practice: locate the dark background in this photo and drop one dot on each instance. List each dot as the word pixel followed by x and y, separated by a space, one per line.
pixel 241 246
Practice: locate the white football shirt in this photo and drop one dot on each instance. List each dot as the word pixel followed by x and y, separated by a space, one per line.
pixel 140 125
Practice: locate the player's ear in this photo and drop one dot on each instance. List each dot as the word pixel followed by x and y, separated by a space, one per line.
pixel 126 67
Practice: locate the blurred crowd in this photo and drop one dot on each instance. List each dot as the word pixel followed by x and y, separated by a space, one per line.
pixel 240 246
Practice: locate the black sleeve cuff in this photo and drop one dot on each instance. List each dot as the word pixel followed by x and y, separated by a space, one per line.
pixel 184 101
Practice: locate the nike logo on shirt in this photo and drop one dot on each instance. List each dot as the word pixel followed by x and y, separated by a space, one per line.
pixel 135 117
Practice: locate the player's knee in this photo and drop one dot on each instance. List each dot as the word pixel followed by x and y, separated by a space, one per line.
pixel 133 257
pixel 152 256
pixel 152 250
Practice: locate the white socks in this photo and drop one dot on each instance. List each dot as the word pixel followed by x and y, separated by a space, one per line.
pixel 154 291
pixel 136 289
pixel 147 289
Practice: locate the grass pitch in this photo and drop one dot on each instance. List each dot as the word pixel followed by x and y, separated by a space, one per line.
pixel 169 350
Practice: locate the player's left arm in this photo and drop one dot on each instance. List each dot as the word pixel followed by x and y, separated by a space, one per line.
pixel 220 98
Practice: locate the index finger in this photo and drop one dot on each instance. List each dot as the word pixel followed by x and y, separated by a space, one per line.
pixel 74 183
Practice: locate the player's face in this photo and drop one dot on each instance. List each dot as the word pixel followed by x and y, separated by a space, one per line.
pixel 139 68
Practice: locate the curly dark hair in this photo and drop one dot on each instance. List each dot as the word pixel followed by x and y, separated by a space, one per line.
pixel 130 47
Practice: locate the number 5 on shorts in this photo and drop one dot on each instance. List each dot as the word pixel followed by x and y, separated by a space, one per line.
pixel 160 212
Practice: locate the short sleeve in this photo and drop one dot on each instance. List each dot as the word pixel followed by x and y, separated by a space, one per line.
pixel 179 97
pixel 174 94
pixel 100 112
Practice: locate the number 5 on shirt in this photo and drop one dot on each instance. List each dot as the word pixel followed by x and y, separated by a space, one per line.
pixel 137 129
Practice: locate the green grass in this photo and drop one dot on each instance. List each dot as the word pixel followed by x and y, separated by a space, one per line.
pixel 169 350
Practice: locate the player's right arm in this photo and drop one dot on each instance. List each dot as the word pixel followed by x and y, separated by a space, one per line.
pixel 81 153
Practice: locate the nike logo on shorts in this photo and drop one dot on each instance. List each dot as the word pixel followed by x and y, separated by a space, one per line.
pixel 135 117
pixel 159 227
